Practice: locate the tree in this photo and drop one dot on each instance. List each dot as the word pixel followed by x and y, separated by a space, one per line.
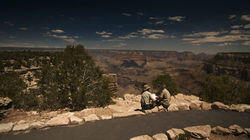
pixel 225 89
pixel 165 79
pixel 71 79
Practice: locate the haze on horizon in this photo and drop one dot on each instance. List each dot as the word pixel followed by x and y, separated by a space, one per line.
pixel 205 26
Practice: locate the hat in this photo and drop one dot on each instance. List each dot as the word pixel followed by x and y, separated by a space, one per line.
pixel 146 87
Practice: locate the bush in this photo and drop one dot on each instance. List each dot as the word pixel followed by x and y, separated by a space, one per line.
pixel 68 79
pixel 225 89
pixel 71 79
pixel 165 79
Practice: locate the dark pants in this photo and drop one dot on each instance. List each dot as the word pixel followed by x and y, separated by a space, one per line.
pixel 147 107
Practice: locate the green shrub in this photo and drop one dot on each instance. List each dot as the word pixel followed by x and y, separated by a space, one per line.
pixel 225 89
pixel 165 79
pixel 67 79
pixel 71 79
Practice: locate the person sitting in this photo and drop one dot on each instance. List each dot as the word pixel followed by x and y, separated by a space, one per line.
pixel 147 99
pixel 164 98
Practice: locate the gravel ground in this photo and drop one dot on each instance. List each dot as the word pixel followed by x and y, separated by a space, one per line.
pixel 125 128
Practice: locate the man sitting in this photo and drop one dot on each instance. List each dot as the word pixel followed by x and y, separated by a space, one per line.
pixel 147 99
pixel 164 98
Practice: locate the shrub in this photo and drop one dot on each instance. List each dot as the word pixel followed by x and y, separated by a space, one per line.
pixel 225 89
pixel 165 79
pixel 71 79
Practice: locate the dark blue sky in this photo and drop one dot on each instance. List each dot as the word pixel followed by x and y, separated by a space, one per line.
pixel 197 26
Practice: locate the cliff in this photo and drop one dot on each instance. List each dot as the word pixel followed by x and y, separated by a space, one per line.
pixel 234 64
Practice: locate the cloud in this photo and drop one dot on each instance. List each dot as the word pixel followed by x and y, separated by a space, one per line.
pixel 200 34
pixel 156 36
pixel 177 18
pixel 232 17
pixel 236 32
pixel 149 31
pixel 64 37
pixel 104 34
pixel 23 28
pixel 121 45
pixel 246 43
pixel 245 17
pixel 159 22
pixel 236 26
pixel 127 14
pixel 139 13
pixel 247 26
pixel 154 18
pixel 57 31
pixel 8 23
pixel 130 35
pixel 216 39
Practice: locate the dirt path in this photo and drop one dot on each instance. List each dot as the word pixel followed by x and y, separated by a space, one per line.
pixel 125 128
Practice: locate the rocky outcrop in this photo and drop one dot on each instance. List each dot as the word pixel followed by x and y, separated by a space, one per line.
pixel 6 127
pixel 174 133
pixel 219 105
pixel 160 136
pixel 142 137
pixel 199 132
pixel 220 130
pixel 234 64
pixel 236 129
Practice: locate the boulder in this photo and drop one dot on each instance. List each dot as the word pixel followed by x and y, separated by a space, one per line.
pixel 132 97
pixel 126 114
pixel 237 130
pixel 174 133
pixel 61 119
pixel 205 106
pixel 194 106
pixel 105 117
pixel 5 103
pixel 142 137
pixel 183 106
pixel 240 107
pixel 219 105
pixel 173 107
pixel 91 117
pixel 21 127
pixel 247 130
pixel 75 120
pixel 160 136
pixel 199 132
pixel 37 124
pixel 6 127
pixel 220 130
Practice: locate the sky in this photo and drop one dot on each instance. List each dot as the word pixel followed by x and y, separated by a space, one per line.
pixel 196 26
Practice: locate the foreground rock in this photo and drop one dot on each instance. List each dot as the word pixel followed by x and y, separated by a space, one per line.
pixel 240 107
pixel 221 130
pixel 199 132
pixel 91 117
pixel 237 130
pixel 21 125
pixel 174 133
pixel 6 127
pixel 61 119
pixel 160 136
pixel 219 105
pixel 142 137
